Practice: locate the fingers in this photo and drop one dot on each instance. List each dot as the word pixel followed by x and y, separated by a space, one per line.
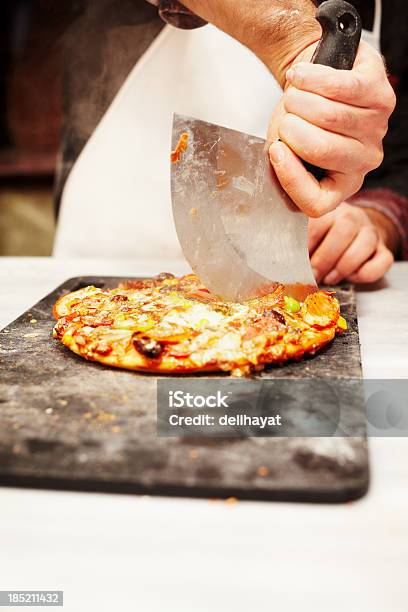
pixel 346 244
pixel 347 86
pixel 336 242
pixel 365 86
pixel 325 149
pixel 375 268
pixel 314 198
pixel 300 185
pixel 347 161
pixel 358 123
pixel 355 255
pixel 318 228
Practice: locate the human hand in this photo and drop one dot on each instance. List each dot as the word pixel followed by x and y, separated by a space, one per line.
pixel 350 243
pixel 334 119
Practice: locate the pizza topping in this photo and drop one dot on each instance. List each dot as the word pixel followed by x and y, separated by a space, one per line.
pixel 138 285
pixel 103 348
pixel 80 340
pixel 192 317
pixel 147 346
pixel 342 323
pixel 164 276
pixel 202 295
pixel 180 351
pixel 320 310
pixel 291 304
pixel 142 323
pixel 180 147
pixel 275 315
pixel 95 322
pixel 251 332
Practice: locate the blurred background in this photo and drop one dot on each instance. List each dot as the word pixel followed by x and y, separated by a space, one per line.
pixel 61 64
pixel 30 123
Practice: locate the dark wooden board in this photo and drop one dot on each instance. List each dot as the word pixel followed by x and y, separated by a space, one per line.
pixel 70 424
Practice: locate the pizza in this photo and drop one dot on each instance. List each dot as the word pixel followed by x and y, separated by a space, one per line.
pixel 175 325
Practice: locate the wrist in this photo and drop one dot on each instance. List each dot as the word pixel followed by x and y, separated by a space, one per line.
pixel 283 39
pixel 385 228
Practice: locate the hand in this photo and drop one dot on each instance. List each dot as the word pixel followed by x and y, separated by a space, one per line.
pixel 334 119
pixel 350 243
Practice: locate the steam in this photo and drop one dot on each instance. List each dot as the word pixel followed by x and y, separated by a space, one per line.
pixel 100 49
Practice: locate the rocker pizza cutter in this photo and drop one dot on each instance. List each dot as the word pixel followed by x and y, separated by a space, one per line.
pixel 238 229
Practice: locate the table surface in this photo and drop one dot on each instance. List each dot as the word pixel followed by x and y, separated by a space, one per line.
pixel 120 552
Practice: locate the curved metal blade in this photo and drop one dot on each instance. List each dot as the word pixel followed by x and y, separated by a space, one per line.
pixel 238 229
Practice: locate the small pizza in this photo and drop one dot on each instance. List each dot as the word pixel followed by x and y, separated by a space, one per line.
pixel 175 325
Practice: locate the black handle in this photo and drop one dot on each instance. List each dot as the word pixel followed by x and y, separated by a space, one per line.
pixel 341 25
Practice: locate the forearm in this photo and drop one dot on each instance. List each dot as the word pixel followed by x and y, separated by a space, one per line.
pixel 275 30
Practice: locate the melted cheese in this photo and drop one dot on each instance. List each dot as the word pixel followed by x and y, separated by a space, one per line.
pixel 194 318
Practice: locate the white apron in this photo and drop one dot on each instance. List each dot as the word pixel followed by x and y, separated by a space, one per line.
pixel 116 200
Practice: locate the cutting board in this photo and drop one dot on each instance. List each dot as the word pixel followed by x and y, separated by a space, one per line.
pixel 71 424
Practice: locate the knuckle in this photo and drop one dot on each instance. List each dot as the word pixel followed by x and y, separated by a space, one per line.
pixel 371 159
pixel 340 118
pixel 322 264
pixel 387 99
pixel 371 236
pixel 313 208
pixel 348 217
pixel 290 98
pixel 285 126
pixel 356 183
pixel 323 150
pixel 329 202
pixel 380 129
pixel 364 164
pixel 349 119
pixel 333 88
pixel 355 87
pixel 377 157
pixel 392 99
pixel 346 231
pixel 342 209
